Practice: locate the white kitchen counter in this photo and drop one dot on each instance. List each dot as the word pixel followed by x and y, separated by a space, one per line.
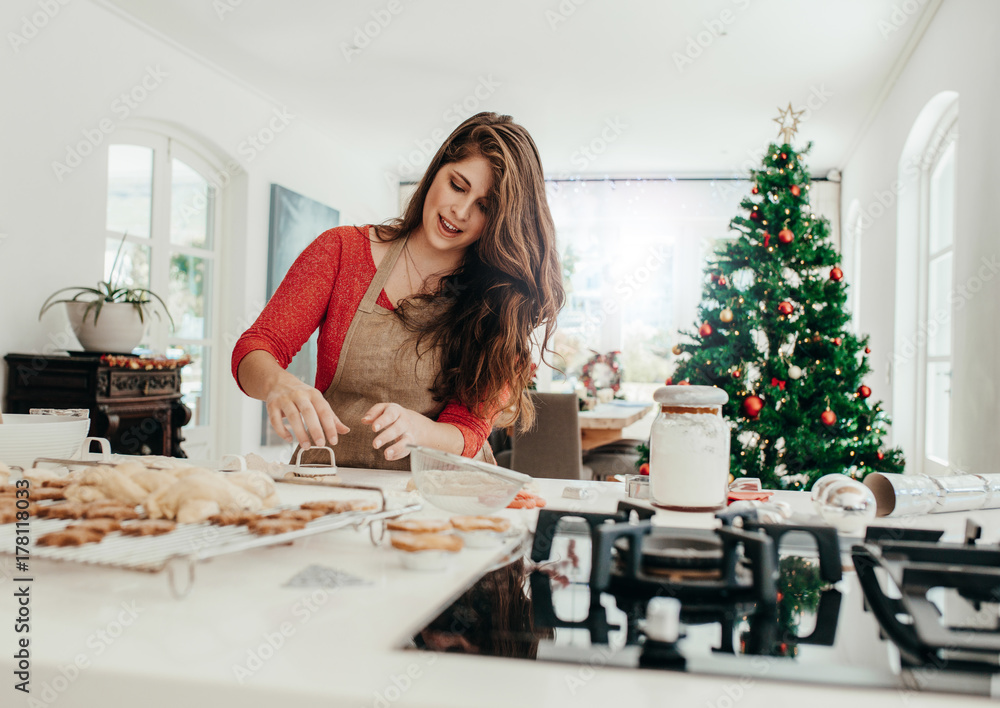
pixel 102 637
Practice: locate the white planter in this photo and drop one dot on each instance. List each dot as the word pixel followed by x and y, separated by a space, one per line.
pixel 118 329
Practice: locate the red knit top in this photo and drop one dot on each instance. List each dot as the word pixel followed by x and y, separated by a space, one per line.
pixel 324 288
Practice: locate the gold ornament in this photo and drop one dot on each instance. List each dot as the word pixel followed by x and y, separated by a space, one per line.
pixel 726 315
pixel 677 350
pixel 788 122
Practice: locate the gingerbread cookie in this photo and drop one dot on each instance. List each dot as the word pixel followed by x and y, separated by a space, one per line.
pixel 47 494
pixel 63 510
pixel 148 527
pixel 306 515
pixel 419 525
pixel 102 525
pixel 338 506
pixel 271 527
pixel 415 542
pixel 70 537
pixel 116 511
pixel 481 523
pixel 233 518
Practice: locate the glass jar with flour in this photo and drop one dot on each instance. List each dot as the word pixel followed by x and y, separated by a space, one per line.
pixel 689 449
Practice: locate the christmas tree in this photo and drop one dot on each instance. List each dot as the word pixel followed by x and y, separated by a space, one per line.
pixel 772 335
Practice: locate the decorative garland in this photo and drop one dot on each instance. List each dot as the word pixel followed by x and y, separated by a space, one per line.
pixel 602 371
pixel 148 364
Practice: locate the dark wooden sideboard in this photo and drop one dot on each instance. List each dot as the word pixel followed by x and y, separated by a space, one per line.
pixel 139 411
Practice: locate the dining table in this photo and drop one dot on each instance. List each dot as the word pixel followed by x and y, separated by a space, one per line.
pixel 605 422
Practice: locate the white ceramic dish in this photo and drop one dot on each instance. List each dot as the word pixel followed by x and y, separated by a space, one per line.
pixel 24 438
pixel 481 538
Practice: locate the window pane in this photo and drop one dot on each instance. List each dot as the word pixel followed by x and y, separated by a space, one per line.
pixel 191 207
pixel 188 295
pixel 942 201
pixel 938 306
pixel 130 189
pixel 132 270
pixel 194 381
pixel 938 408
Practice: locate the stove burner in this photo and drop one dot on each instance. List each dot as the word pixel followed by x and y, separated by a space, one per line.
pixel 664 551
pixel 924 637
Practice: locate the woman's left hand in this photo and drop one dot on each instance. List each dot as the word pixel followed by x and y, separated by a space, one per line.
pixel 397 425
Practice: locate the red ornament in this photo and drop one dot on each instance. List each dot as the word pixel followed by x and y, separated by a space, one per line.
pixel 880 455
pixel 669 381
pixel 705 330
pixel 836 275
pixel 736 374
pixel 836 340
pixel 722 280
pixel 755 214
pixel 779 383
pixel 784 156
pixel 644 468
pixel 785 308
pixel 785 236
pixel 752 406
pixel 795 190
pixel 755 191
pixel 767 239
pixel 864 391
pixel 684 383
pixel 868 350
pixel 828 417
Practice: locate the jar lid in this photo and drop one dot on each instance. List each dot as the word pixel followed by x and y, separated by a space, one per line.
pixel 690 396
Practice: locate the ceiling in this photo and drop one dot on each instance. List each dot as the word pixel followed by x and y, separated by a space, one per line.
pixel 654 88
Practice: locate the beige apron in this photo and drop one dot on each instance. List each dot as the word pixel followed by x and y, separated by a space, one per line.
pixel 379 364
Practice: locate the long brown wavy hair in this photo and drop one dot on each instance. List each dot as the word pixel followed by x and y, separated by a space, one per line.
pixel 508 287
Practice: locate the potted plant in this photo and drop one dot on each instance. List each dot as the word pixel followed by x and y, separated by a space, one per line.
pixel 110 318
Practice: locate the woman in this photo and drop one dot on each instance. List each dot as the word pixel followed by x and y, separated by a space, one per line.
pixel 426 323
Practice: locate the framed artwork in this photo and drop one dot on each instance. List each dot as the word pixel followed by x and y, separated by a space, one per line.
pixel 295 222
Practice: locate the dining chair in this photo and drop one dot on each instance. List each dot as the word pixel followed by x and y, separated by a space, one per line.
pixel 618 457
pixel 551 448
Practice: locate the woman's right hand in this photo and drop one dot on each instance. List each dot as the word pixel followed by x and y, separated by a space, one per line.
pixel 308 414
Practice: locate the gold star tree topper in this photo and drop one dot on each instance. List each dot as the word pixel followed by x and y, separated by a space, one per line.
pixel 788 122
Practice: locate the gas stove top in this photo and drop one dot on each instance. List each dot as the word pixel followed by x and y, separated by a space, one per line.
pixel 748 600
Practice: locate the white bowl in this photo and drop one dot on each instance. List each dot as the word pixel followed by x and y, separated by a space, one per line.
pixel 24 438
pixel 463 485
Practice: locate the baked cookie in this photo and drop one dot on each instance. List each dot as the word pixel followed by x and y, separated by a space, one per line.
pixel 47 494
pixel 337 506
pixel 117 511
pixel 271 526
pixel 306 515
pixel 70 537
pixel 419 525
pixel 415 542
pixel 63 510
pixel 481 523
pixel 148 527
pixel 57 482
pixel 233 518
pixel 102 525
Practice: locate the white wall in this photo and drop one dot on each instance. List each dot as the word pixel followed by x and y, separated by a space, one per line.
pixel 959 52
pixel 64 80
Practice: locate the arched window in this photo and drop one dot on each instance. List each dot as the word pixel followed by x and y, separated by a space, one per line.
pixel 163 198
pixel 924 267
